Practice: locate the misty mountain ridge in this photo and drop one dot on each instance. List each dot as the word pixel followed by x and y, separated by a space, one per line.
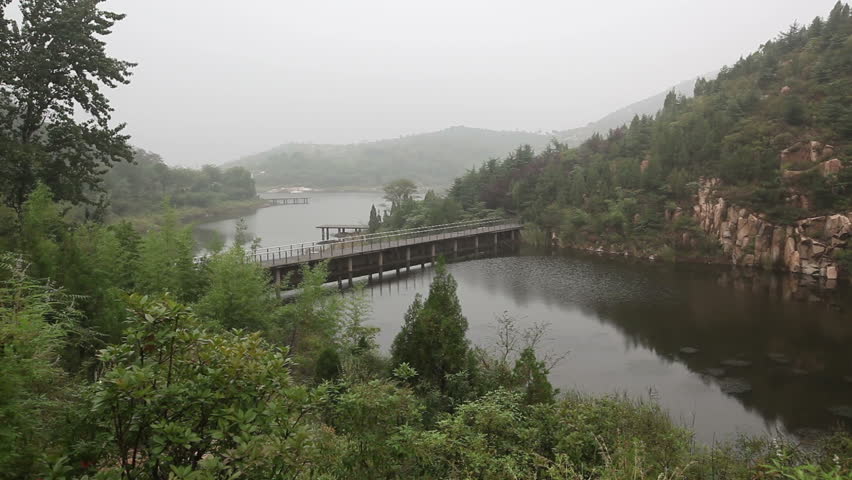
pixel 649 106
pixel 430 159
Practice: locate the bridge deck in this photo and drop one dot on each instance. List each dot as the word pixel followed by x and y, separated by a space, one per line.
pixel 350 248
pixel 348 227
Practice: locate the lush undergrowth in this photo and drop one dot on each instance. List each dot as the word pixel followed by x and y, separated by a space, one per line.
pixel 190 370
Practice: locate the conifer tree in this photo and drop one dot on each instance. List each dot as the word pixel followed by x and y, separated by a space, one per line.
pixel 432 339
pixel 375 220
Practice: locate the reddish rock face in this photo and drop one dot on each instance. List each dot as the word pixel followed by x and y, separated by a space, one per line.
pixel 785 90
pixel 644 165
pixel 805 247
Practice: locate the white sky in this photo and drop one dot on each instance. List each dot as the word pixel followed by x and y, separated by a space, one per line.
pixel 220 79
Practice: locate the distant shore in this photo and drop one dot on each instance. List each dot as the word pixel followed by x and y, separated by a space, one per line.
pixel 192 215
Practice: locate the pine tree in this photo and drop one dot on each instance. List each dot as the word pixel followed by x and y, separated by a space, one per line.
pixel 432 339
pixel 375 220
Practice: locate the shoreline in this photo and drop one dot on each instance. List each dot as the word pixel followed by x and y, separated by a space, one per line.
pixel 187 216
pixel 719 261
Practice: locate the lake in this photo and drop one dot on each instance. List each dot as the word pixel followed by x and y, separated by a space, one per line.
pixel 287 224
pixel 725 351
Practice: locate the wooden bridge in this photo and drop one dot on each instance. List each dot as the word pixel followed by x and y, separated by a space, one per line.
pixel 365 255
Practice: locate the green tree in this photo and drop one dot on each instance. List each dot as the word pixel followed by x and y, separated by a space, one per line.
pixel 177 397
pixel 432 339
pixel 359 357
pixel 35 321
pixel 375 220
pixel 398 191
pixel 531 376
pixel 794 111
pixel 370 446
pixel 309 324
pixel 166 261
pixel 53 66
pixel 239 293
pixel 83 259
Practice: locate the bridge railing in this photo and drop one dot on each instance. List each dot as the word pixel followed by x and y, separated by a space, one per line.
pixel 330 248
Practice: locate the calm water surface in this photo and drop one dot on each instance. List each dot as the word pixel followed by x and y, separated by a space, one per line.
pixel 724 351
pixel 287 224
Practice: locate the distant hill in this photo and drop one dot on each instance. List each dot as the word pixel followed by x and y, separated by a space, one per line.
pixel 649 106
pixel 430 159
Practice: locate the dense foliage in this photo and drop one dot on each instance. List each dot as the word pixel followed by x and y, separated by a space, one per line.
pixel 54 118
pixel 618 189
pixel 220 388
pixel 141 186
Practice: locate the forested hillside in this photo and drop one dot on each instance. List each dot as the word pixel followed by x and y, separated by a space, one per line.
pixel 776 128
pixel 143 185
pixel 431 159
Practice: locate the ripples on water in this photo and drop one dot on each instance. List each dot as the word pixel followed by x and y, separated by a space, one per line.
pixel 724 351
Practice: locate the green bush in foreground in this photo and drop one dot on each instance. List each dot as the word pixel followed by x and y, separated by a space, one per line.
pixel 182 397
pixel 184 400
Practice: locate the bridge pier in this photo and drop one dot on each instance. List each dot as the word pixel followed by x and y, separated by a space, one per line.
pixel 476 245
pixel 433 254
pixel 278 282
pixel 495 243
pixel 381 264
pixel 349 264
pixel 407 259
pixel 455 249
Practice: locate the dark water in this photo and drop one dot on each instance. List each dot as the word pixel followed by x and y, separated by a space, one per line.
pixel 724 351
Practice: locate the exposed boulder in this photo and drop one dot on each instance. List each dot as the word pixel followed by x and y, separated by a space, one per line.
pixel 806 247
pixel 831 272
pixel 830 167
pixel 802 156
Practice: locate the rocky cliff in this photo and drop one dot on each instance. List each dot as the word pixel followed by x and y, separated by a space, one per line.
pixel 750 240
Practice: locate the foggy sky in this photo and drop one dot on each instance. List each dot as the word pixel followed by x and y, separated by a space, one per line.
pixel 221 79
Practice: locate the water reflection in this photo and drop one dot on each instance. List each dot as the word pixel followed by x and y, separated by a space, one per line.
pixel 724 350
